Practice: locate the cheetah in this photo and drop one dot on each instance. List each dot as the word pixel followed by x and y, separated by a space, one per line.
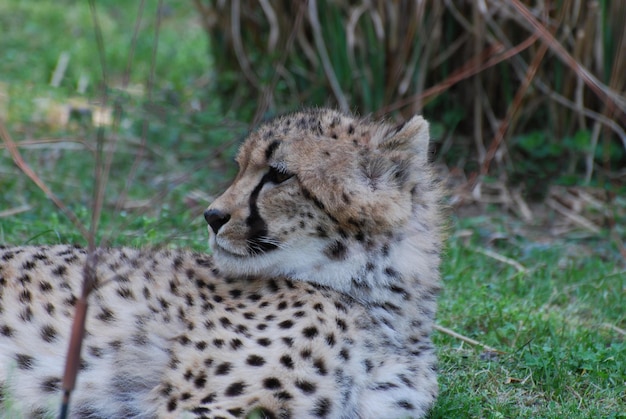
pixel 318 300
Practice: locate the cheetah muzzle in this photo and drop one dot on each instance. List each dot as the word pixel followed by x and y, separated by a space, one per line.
pixel 318 301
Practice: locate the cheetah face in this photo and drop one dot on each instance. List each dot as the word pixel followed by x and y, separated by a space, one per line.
pixel 313 190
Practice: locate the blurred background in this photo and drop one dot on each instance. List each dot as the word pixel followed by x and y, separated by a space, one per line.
pixel 119 121
pixel 526 99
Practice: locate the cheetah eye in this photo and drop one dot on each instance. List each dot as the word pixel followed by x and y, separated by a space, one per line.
pixel 278 176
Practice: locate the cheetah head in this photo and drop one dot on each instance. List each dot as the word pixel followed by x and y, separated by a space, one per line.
pixel 316 190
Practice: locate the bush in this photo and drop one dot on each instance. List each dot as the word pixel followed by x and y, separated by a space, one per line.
pixel 475 68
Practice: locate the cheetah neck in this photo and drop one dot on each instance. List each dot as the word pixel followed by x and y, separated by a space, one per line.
pixel 388 277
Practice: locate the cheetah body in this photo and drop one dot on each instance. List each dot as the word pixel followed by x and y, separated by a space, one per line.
pixel 318 301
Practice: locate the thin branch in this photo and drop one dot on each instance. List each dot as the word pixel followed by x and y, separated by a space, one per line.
pixel 602 90
pixel 512 110
pixel 503 259
pixel 470 68
pixel 465 339
pixel 25 168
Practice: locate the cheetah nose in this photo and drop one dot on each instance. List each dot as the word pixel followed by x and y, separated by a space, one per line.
pixel 216 219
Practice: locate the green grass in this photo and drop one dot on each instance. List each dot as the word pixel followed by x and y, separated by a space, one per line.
pixel 556 324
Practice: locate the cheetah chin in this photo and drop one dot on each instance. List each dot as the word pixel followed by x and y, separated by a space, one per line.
pixel 318 300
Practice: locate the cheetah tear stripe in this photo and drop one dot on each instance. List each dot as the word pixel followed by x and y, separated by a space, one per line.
pixel 318 301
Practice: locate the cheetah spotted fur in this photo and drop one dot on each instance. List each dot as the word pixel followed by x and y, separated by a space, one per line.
pixel 318 301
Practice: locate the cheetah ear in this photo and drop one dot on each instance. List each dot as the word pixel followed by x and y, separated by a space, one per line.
pixel 412 136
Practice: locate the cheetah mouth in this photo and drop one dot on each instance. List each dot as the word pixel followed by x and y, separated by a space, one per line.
pixel 220 251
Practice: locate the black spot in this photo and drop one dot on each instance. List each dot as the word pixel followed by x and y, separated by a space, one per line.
pixel 340 307
pixel 171 405
pixel 178 262
pixel 272 383
pixel 336 251
pixel 225 322
pixel 341 324
pixel 254 297
pixel 209 398
pixel 255 361
pixel 48 333
pixel 173 287
pixel 235 293
pixel 385 250
pixel 125 293
pixel 287 361
pixel 237 412
pixel 201 411
pixel 264 341
pixel 287 341
pixel 224 368
pixel 242 330
pixel 6 330
pixel 310 332
pixel 345 354
pixel 384 386
pixel 26 314
pixel 71 300
pixel 330 339
pixel 163 303
pixel 406 380
pixel 45 286
pixel 389 271
pixel 106 315
pixel 95 351
pixel 166 389
pixel 201 345
pixel 200 380
pixel 115 344
pixel 204 262
pixel 24 362
pixel 404 404
pixel 25 296
pixel 287 324
pixel 283 395
pixel 236 344
pixel 319 307
pixel 28 265
pixel 305 353
pixel 50 385
pixel 282 305
pixel 59 270
pixel 322 408
pixel 320 366
pixel 235 389
pixel 306 386
pixel 368 365
pixel 83 365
